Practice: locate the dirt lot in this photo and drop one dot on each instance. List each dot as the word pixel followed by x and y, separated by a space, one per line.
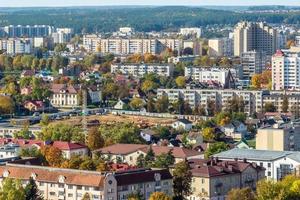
pixel 110 118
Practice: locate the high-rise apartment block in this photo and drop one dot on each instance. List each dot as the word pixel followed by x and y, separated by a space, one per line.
pixel 252 62
pixel 220 47
pixel 28 31
pixel 249 36
pixel 285 70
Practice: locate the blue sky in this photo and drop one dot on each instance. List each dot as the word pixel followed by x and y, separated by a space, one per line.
pixel 21 3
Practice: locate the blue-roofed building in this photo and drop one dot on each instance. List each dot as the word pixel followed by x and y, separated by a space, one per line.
pixel 277 163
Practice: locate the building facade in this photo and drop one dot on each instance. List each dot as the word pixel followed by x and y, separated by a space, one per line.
pixel 252 62
pixel 139 70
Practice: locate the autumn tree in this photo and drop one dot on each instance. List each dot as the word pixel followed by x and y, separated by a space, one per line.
pixel 208 134
pixel 269 107
pixel 53 155
pixel 241 194
pixel 148 85
pixel 95 139
pixel 180 81
pixel 12 190
pixel 182 179
pixel 256 81
pixel 159 196
pixel 86 196
pixel 6 105
pixel 136 103
pixel 162 104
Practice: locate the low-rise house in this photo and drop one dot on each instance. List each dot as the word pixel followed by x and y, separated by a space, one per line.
pixel 183 124
pixel 235 130
pixel 122 104
pixel 128 153
pixel 69 184
pixel 277 163
pixel 68 149
pixel 34 106
pixel 9 130
pixel 149 135
pixel 9 151
pixel 213 179
pixel 194 138
pixel 26 90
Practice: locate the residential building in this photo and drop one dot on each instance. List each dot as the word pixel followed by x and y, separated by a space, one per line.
pixel 191 31
pixel 62 35
pixel 285 70
pixel 254 36
pixel 221 77
pixel 28 31
pixel 277 163
pixel 139 70
pixel 128 153
pixel 220 47
pixel 9 151
pixel 34 106
pixel 213 179
pixel 188 58
pixel 19 46
pixel 253 62
pixel 285 137
pixel 9 130
pixel 235 130
pixel 68 149
pixel 183 124
pixel 68 184
pixel 64 95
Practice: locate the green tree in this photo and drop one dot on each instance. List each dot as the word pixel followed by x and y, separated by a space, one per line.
pixel 136 103
pixel 150 105
pixel 215 148
pixel 31 191
pixel 140 161
pixel 182 179
pixel 162 104
pixel 241 194
pixel 95 139
pixel 269 107
pixel 148 85
pixel 12 190
pixel 150 157
pixel 164 160
pixel 45 120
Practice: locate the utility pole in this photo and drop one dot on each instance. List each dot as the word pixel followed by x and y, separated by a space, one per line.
pixel 84 113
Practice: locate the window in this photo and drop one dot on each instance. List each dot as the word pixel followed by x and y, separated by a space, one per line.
pixel 42 184
pixel 70 186
pixel 61 185
pixel 269 173
pixel 61 193
pixel 269 164
pixel 79 187
pixel 52 193
pixel 70 195
pixel 86 188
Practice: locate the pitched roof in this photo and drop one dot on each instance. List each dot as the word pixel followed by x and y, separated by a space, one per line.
pixel 140 176
pixel 123 149
pixel 214 167
pixel 185 121
pixel 50 174
pixel 71 89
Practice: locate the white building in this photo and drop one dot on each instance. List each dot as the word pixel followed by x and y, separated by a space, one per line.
pixel 277 163
pixel 19 46
pixel 139 70
pixel 205 75
pixel 183 124
pixel 220 47
pixel 285 70
pixel 191 31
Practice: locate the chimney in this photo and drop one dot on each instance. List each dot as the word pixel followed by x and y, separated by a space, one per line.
pixel 244 160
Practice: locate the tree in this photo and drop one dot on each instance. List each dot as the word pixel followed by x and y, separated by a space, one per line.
pixel 215 148
pixel 12 190
pixel 140 161
pixel 241 194
pixel 31 191
pixel 159 196
pixel 24 133
pixel 148 85
pixel 6 105
pixel 87 164
pixel 150 157
pixel 162 104
pixel 45 120
pixel 269 107
pixel 151 105
pixel 208 134
pixel 182 179
pixel 136 103
pixel 86 196
pixel 180 81
pixel 135 196
pixel 256 81
pixel 95 139
pixel 285 104
pixel 53 155
pixel 164 160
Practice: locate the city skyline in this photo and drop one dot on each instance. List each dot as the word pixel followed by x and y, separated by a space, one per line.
pixel 56 3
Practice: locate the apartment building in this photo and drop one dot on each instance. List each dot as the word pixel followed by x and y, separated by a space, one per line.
pixel 213 179
pixel 252 99
pixel 252 62
pixel 252 36
pixel 9 130
pixel 222 77
pixel 285 137
pixel 91 41
pixel 62 35
pixel 191 31
pixel 68 184
pixel 139 70
pixel 28 31
pixel 277 163
pixel 285 70
pixel 64 95
pixel 128 153
pixel 220 47
pixel 18 46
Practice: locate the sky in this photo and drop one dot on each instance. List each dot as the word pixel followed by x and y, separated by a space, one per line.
pixel 38 3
